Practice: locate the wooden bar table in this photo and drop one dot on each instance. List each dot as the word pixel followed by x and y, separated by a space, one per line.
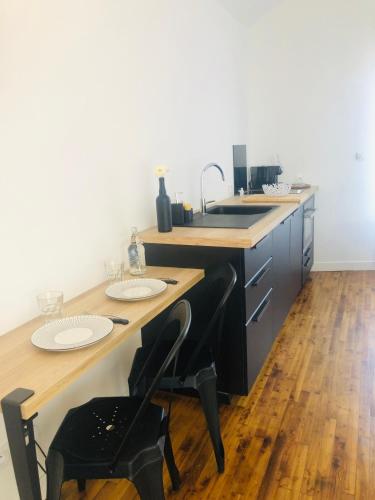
pixel 30 377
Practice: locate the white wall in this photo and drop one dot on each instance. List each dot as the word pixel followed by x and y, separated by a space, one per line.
pixel 311 85
pixel 92 95
pixel 248 11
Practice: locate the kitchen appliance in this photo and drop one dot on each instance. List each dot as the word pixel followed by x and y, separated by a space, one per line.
pixel 308 238
pixel 308 227
pixel 263 175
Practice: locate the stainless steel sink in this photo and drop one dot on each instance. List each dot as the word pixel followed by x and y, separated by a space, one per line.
pixel 231 216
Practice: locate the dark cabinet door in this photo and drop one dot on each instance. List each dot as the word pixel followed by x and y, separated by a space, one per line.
pixel 259 338
pixel 296 244
pixel 281 270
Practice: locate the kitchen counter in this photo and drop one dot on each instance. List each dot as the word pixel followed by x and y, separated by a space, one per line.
pixel 47 373
pixel 228 238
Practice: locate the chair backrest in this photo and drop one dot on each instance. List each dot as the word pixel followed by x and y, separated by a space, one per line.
pixel 181 315
pixel 215 290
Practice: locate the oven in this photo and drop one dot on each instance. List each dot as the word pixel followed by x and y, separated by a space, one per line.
pixel 308 237
pixel 308 227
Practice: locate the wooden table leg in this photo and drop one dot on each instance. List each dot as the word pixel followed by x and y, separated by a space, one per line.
pixel 21 441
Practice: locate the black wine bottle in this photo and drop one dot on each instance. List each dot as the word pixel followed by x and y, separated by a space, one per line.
pixel 163 209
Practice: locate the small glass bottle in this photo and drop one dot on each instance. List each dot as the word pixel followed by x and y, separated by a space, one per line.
pixel 136 253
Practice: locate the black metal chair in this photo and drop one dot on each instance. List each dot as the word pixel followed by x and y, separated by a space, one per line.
pixel 200 353
pixel 121 437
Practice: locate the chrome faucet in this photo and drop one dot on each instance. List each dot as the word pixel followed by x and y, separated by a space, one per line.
pixel 203 199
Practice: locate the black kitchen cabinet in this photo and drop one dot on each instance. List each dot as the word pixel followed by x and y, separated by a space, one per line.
pixel 232 377
pixel 281 272
pixel 287 264
pixel 270 275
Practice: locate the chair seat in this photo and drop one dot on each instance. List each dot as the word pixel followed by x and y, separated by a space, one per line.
pixel 90 434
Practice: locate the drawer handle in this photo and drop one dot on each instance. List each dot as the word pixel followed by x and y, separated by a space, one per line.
pixel 256 318
pixel 261 276
pixel 307 262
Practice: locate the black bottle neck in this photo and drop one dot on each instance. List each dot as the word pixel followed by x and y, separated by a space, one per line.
pixel 162 190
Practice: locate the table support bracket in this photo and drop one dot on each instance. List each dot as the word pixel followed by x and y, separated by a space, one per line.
pixel 21 441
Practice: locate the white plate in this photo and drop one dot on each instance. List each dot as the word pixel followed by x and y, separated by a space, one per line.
pixel 71 333
pixel 137 289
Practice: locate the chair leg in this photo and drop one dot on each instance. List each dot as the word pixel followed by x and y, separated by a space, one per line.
pixel 208 397
pixel 149 481
pixel 171 464
pixel 55 474
pixel 81 483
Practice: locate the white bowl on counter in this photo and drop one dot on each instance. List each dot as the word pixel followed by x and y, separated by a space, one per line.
pixel 280 189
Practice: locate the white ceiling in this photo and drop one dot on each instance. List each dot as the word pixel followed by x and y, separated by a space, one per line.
pixel 248 11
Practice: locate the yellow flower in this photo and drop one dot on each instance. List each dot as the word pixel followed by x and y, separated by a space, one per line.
pixel 160 170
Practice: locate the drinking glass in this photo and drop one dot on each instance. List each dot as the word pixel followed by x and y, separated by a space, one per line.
pixel 113 270
pixel 50 304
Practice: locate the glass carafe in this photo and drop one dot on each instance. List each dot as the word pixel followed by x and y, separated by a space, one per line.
pixel 136 254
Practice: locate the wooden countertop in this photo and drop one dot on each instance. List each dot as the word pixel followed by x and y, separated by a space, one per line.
pixel 224 237
pixel 48 373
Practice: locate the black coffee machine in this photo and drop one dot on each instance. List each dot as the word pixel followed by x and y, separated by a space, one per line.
pixel 263 175
pixel 251 179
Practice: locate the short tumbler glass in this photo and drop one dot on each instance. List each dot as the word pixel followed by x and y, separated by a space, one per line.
pixel 50 304
pixel 113 270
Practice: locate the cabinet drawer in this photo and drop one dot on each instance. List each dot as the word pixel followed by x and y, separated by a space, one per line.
pixel 257 256
pixel 259 338
pixel 308 260
pixel 258 287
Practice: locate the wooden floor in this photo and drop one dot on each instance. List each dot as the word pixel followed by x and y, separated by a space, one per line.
pixel 307 430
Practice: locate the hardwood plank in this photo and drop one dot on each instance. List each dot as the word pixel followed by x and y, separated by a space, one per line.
pixel 307 429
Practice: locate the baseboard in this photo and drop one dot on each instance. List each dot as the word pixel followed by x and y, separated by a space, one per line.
pixel 358 265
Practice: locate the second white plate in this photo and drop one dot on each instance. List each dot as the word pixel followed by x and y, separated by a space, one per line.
pixel 137 289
